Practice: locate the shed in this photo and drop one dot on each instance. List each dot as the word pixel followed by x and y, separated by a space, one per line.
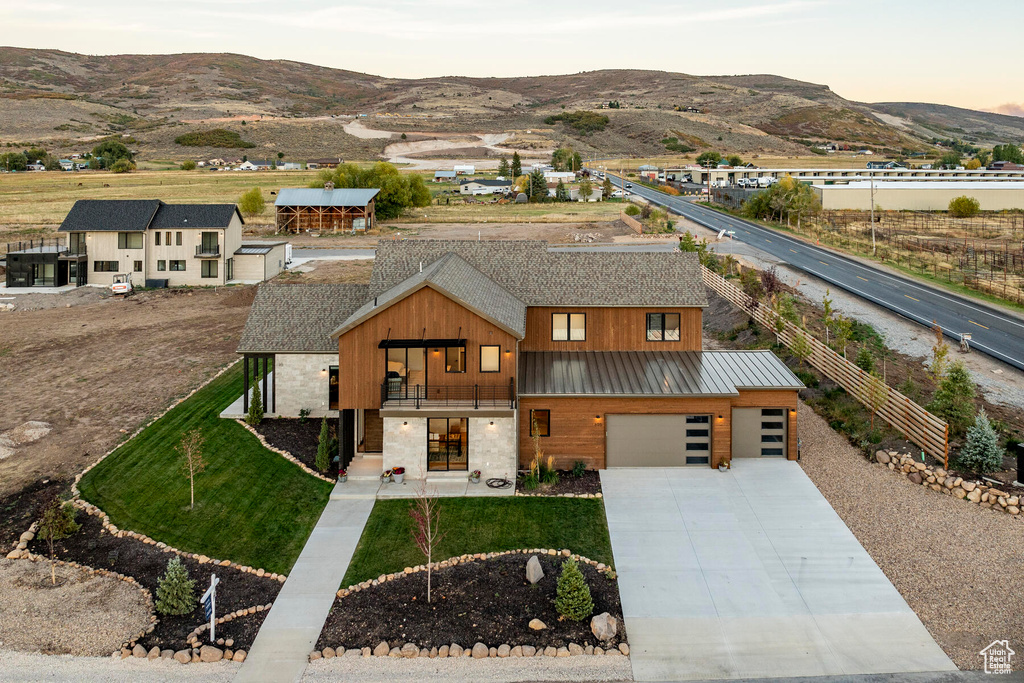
pixel 258 260
pixel 304 209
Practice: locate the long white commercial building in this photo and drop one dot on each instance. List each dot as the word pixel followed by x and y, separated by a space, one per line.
pixel 919 195
pixel 837 175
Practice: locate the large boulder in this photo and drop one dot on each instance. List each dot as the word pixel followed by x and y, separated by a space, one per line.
pixel 604 626
pixel 210 653
pixel 140 652
pixel 480 651
pixel 534 572
pixel 537 625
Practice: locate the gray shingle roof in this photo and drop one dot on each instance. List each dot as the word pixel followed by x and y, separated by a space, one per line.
pixel 459 281
pixel 651 373
pixel 314 196
pixel 177 216
pixel 299 318
pixel 116 215
pixel 541 278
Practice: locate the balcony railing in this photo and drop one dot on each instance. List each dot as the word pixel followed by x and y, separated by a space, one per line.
pixel 208 251
pixel 394 392
pixel 56 245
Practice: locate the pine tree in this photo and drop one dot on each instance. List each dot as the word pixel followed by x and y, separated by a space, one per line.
pixel 323 447
pixel 255 415
pixel 572 599
pixel 954 399
pixel 864 360
pixel 561 193
pixel 503 168
pixel 175 592
pixel 517 165
pixel 982 452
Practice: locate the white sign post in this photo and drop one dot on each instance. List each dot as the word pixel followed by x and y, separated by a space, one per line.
pixel 209 601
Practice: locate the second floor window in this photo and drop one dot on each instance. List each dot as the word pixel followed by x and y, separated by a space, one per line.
pixel 568 327
pixel 662 327
pixel 490 359
pixel 455 359
pixel 129 240
pixel 157 237
pixel 177 239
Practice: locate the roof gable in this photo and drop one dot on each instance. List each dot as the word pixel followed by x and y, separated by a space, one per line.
pixel 114 215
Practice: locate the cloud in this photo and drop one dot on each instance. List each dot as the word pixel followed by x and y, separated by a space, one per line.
pixel 1010 109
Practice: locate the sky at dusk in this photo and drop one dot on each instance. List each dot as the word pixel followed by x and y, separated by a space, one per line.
pixel 865 50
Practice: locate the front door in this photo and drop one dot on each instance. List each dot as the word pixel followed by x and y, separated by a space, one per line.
pixel 447 444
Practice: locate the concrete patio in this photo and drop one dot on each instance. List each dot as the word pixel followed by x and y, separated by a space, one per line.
pixel 749 574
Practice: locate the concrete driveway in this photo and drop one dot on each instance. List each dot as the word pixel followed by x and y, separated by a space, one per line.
pixel 750 574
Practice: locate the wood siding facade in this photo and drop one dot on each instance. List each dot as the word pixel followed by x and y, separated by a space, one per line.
pixel 578 424
pixel 611 329
pixel 425 314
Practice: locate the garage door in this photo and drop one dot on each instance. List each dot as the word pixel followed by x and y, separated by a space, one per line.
pixel 758 432
pixel 658 440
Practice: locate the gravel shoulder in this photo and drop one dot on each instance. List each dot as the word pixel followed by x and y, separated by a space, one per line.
pixel 957 565
pixel 84 615
pixel 29 668
pixel 388 669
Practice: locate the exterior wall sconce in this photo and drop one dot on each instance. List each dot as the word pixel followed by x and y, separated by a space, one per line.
pixel 720 417
pixel 492 423
pixel 405 424
pixel 792 411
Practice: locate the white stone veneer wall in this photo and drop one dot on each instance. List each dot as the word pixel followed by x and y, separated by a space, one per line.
pixel 301 381
pixel 492 449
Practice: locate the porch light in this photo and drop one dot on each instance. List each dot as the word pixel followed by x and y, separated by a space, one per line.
pixel 405 424
pixel 719 417
pixel 492 423
pixel 792 411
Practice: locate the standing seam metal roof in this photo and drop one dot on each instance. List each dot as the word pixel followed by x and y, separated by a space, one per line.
pixel 651 373
pixel 313 196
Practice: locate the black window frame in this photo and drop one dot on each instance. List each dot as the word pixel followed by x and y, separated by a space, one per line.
pixel 547 424
pixel 156 243
pixel 106 266
pixel 568 326
pixel 122 240
pixel 481 358
pixel 205 269
pixel 462 349
pixel 137 266
pixel 333 385
pixel 161 265
pixel 171 265
pixel 664 327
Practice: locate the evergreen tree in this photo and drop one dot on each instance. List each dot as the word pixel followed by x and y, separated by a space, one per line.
pixel 323 447
pixel 255 415
pixel 517 165
pixel 175 592
pixel 561 192
pixel 607 188
pixel 982 452
pixel 572 598
pixel 954 399
pixel 503 168
pixel 864 360
pixel 538 186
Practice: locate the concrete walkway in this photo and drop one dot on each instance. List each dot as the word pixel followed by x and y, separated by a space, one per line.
pixel 750 573
pixel 281 650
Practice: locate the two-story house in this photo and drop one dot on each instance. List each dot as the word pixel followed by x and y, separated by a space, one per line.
pixel 182 244
pixel 458 354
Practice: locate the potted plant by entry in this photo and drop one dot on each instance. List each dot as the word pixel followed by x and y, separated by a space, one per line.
pixel 342 476
pixel 724 465
pixel 385 476
pixel 398 473
pixel 474 477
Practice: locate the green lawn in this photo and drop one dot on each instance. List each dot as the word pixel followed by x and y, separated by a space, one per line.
pixel 252 506
pixel 480 525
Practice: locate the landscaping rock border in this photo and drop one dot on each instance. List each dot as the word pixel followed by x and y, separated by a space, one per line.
pixel 941 481
pixel 283 453
pixel 478 650
pixel 524 494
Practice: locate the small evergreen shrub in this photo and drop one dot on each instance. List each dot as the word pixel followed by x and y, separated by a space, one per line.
pixel 864 360
pixel 255 415
pixel 954 399
pixel 323 452
pixel 981 452
pixel 572 599
pixel 175 593
pixel 578 468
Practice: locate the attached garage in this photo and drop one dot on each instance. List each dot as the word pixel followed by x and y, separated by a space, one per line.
pixel 759 432
pixel 657 440
pixel 258 261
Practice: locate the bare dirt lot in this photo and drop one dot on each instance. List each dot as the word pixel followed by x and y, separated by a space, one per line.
pixel 97 370
pixel 355 271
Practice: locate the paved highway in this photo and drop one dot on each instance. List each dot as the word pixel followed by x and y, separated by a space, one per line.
pixel 996 333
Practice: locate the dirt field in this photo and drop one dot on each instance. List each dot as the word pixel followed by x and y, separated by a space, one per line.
pixel 356 272
pixel 97 370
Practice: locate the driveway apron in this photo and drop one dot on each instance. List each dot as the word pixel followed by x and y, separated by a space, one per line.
pixel 750 573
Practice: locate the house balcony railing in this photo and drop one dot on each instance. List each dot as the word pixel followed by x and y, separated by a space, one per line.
pixel 394 392
pixel 53 245
pixel 208 251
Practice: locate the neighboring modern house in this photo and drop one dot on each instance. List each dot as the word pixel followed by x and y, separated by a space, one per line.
pixel 182 244
pixel 305 209
pixel 885 164
pixel 483 186
pixel 328 162
pixel 458 352
pixel 464 169
pixel 444 176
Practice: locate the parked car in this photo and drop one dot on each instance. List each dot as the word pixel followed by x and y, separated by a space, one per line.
pixel 629 186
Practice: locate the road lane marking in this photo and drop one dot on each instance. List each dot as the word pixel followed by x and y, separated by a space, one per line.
pixel 794 251
pixel 822 263
pixel 862 278
pixel 910 297
pixel 978 324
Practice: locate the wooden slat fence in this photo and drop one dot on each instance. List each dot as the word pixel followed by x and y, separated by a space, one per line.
pixel 918 425
pixel 633 223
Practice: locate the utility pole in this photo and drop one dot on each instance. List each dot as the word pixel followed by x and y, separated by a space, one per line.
pixel 873 249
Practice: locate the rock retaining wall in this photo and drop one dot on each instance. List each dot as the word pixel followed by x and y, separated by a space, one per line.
pixel 941 481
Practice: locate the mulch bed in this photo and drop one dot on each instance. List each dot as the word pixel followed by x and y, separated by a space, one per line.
pixel 96 548
pixel 19 510
pixel 487 601
pixel 299 438
pixel 590 482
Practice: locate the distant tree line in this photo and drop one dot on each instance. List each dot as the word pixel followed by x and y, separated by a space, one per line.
pixel 582 121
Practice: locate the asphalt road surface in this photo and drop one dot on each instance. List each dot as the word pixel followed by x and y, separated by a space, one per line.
pixel 994 332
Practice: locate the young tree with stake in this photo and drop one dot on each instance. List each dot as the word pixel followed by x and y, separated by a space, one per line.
pixel 426 533
pixel 191 449
pixel 58 522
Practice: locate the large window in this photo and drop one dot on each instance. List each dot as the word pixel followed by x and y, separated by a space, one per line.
pixel 540 423
pixel 130 240
pixel 161 264
pixel 209 269
pixel 178 265
pixel 490 359
pixel 447 444
pixel 76 243
pixel 455 359
pixel 332 388
pixel 662 327
pixel 105 266
pixel 568 327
